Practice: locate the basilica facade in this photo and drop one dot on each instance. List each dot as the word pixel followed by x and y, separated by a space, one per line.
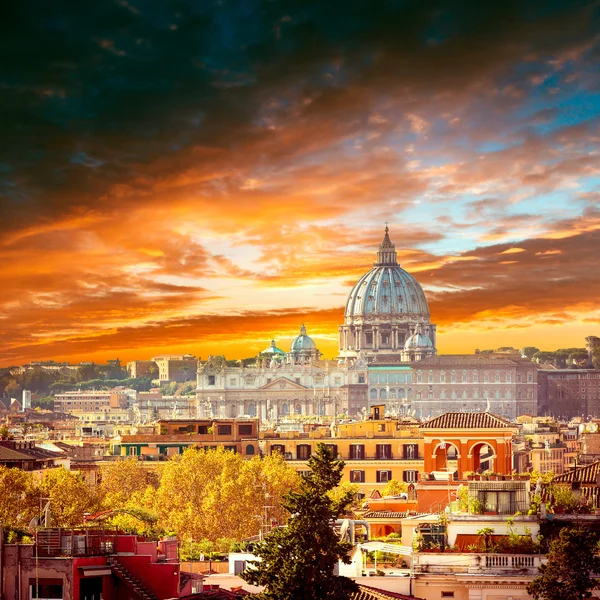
pixel 387 355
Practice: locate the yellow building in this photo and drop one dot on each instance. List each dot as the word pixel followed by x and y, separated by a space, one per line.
pixel 375 451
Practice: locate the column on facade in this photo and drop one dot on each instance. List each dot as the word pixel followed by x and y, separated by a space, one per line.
pixel 263 410
pixel 375 337
pixel 359 337
pixel 241 410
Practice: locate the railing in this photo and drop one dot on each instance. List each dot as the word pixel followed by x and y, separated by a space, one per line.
pixel 477 564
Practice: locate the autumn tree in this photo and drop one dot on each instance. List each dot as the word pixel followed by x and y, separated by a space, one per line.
pixel 123 479
pixel 213 494
pixel 19 500
pixel 69 496
pixel 298 561
pixel 569 572
pixel 394 488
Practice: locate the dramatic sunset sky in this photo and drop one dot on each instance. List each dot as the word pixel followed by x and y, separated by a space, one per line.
pixel 203 176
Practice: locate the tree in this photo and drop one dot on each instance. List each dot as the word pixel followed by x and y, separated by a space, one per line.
pixel 568 574
pixel 394 488
pixel 19 502
pixel 121 480
pixel 212 494
pixel 69 496
pixel 13 389
pixel 529 351
pixel 298 561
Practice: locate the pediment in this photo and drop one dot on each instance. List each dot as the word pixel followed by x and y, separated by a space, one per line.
pixel 282 383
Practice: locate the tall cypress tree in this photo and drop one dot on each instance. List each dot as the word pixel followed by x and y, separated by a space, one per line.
pixel 298 561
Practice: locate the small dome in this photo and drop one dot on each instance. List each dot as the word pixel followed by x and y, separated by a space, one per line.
pixel 273 350
pixel 303 342
pixel 418 340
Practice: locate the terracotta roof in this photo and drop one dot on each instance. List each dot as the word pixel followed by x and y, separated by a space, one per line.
pixel 384 514
pixel 588 474
pixel 8 454
pixel 463 420
pixel 370 593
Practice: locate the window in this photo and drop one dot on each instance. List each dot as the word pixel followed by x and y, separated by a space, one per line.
pixel 410 476
pixel 486 377
pixel 211 380
pixel 453 377
pixel 410 451
pixel 361 379
pixel 357 451
pixel 303 451
pixel 357 476
pixel 508 378
pixel 203 429
pixel 447 594
pixel 297 379
pixel 381 427
pixel 333 449
pixel 497 378
pixel 442 377
pixel 529 377
pixel 464 377
pixel 419 377
pixel 232 382
pixel 383 476
pixel 430 377
pixel 383 451
pixel 245 429
pixel 369 338
pixel 475 377
pixel 278 448
pixel 249 450
pixel 46 589
pixel 224 429
pixel 385 338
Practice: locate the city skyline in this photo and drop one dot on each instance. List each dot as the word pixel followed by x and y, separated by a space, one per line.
pixel 203 180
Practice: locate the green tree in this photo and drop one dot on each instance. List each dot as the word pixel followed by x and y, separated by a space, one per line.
pixel 529 351
pixel 568 574
pixel 298 561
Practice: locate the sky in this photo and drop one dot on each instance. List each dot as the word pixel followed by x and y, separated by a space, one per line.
pixel 205 176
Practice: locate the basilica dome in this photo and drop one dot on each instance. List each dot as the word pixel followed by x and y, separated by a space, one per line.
pixel 386 289
pixel 386 319
pixel 303 342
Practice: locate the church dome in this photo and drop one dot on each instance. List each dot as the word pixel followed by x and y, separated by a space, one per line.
pixel 303 343
pixel 386 289
pixel 418 340
pixel 272 350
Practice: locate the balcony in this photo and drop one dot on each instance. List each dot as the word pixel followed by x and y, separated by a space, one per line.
pixel 477 564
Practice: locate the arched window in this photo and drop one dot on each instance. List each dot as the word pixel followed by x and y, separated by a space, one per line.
pixel 373 394
pixel 393 393
pixel 252 410
pixel 249 450
pixel 285 409
pixel 382 393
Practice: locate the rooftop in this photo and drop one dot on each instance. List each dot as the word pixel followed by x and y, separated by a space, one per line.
pixel 460 420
